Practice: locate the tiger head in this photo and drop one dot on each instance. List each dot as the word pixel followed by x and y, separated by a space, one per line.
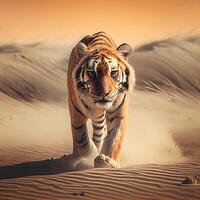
pixel 103 74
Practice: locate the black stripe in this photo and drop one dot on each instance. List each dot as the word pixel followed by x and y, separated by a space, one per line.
pixel 102 34
pixel 83 73
pixel 107 57
pixel 80 86
pixel 101 43
pixel 77 127
pixel 110 131
pixel 97 127
pixel 100 116
pixel 98 42
pixel 96 56
pixel 78 73
pixel 122 88
pixel 100 39
pixel 111 120
pixel 77 110
pixel 83 137
pixel 96 141
pixel 120 105
pixel 105 36
pixel 122 76
pixel 99 122
pixel 125 85
pixel 100 135
pixel 85 105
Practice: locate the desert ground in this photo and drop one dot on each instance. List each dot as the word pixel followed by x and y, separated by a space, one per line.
pixel 162 145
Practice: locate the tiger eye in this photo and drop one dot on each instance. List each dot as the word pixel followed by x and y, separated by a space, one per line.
pixel 114 73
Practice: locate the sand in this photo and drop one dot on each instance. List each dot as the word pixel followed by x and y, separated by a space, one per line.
pixel 160 150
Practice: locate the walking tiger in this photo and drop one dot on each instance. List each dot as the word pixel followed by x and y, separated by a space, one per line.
pixel 99 78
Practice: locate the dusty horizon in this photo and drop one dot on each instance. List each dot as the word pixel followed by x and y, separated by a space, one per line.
pixel 135 22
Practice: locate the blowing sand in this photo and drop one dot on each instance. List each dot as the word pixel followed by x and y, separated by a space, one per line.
pixel 160 150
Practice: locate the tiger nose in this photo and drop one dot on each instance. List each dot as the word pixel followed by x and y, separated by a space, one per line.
pixel 103 93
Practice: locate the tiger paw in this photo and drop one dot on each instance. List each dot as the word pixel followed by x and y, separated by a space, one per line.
pixel 102 161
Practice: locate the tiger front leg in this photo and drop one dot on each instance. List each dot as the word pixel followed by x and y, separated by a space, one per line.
pixel 113 141
pixel 81 141
pixel 110 154
pixel 99 131
pixel 84 149
pixel 83 145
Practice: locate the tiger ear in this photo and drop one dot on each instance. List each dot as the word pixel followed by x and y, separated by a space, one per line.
pixel 82 49
pixel 125 50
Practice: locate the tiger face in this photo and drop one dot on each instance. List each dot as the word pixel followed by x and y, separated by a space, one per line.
pixel 103 77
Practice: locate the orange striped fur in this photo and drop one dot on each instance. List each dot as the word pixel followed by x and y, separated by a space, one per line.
pixel 99 78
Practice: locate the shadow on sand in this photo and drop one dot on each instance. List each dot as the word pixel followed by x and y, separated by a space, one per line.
pixel 43 167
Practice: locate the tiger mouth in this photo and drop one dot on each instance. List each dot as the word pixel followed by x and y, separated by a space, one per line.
pixel 103 101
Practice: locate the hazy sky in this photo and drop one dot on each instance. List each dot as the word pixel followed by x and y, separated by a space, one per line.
pixel 134 21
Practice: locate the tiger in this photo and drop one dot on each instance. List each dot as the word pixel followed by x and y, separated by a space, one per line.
pixel 99 79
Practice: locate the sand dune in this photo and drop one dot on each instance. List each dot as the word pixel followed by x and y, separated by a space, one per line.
pixel 33 72
pixel 170 66
pixel 134 182
pixel 162 143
